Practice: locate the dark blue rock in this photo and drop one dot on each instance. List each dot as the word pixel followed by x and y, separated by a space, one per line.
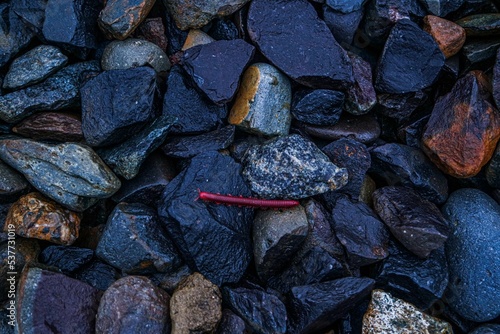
pixel 345 6
pixel 231 324
pixel 98 274
pixel 223 29
pixel 318 107
pixel 175 36
pixel 343 26
pixel 66 259
pixel 473 250
pixel 14 33
pixel 487 329
pixel 32 12
pixel 442 8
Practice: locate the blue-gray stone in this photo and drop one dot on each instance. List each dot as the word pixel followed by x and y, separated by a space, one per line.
pixel 345 6
pixel 14 34
pixel 473 252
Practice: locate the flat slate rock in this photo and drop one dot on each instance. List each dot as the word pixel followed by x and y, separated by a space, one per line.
pixel 216 67
pixel 55 126
pixel 306 52
pixel 344 26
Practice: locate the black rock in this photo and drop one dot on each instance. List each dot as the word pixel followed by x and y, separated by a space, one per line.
pixel 415 280
pixel 66 259
pixel 14 33
pixel 352 323
pixel 442 8
pixel 361 97
pixel 12 184
pixel 216 67
pixel 32 12
pixel 231 324
pixel 496 80
pixel 133 242
pixel 98 274
pixel 345 6
pixel 117 103
pixel 306 52
pixel 411 60
pixel 176 37
pixel 315 307
pixel 223 29
pixel 319 107
pixel 194 111
pixel 213 239
pixel 190 146
pixel 400 106
pixel 479 52
pixel 399 164
pixel 411 132
pixel 263 312
pixel 343 26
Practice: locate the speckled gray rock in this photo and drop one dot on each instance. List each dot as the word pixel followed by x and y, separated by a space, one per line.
pixel 473 250
pixel 12 184
pixel 291 167
pixel 61 90
pixel 34 66
pixel 71 174
pixel 132 52
pixel 262 104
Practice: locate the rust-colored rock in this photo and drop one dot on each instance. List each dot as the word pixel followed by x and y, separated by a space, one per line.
pixel 463 129
pixel 196 37
pixel 35 216
pixel 449 36
pixel 153 31
pixel 120 18
pixel 57 126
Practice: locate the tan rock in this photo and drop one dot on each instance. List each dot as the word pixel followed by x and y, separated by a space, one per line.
pixel 450 37
pixel 196 37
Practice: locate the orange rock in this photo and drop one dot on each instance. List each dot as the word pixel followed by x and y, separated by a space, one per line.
pixel 464 128
pixel 35 216
pixel 450 37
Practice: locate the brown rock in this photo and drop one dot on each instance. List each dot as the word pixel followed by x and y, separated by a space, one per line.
pixel 196 37
pixel 133 304
pixel 57 126
pixel 35 216
pixel 153 31
pixel 120 18
pixel 449 36
pixel 463 129
pixel 196 306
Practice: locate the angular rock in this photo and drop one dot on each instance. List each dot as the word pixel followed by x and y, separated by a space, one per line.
pixel 417 51
pixel 132 52
pixel 32 13
pixel 14 33
pixel 170 282
pixel 442 7
pixel 344 6
pixel 399 164
pixel 463 129
pixel 316 307
pixel 195 306
pixel 417 223
pixel 61 90
pixel 34 216
pixel 34 66
pixel 389 315
pixel 133 304
pixel 306 52
pixel 223 29
pixel 344 26
pixel 175 36
pixel 291 167
pixel 196 37
pixel 262 105
pixel 71 174
pixel 98 274
pixel 133 241
pixel 487 24
pixel 213 239
pixel 361 97
pixel 195 14
pixel 449 36
pixel 153 30
pixel 66 259
pixel 216 67
pixel 51 302
pixel 479 52
pixel 318 107
pixel 12 184
pixel 472 250
pixel 55 126
pixel 195 112
pixel 119 19
pixel 410 133
pixel 231 324
pixel 117 103
pixel 400 106
pixel 263 312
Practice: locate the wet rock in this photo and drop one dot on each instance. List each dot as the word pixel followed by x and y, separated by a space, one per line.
pixel 360 97
pixel 14 33
pixel 442 7
pixel 487 329
pixel 190 146
pixel 400 106
pixel 343 26
pixel 213 239
pixel 117 103
pixel 463 129
pixel 153 30
pixel 481 24
pixel 34 216
pixel 195 113
pixel 399 164
pixel 133 304
pixel 418 281
pixel 316 307
pixel 231 324
pixel 71 174
pixel 216 67
pixel 134 243
pixel 132 52
pixel 318 107
pixel 61 90
pixel 449 36
pixel 389 315
pixel 417 51
pixel 55 126
pixel 195 306
pixel 262 105
pixel 291 167
pixel 51 302
pixel 223 29
pixel 277 235
pixel 417 223
pixel 74 31
pixel 34 66
pixel 119 19
pixel 479 52
pixel 196 37
pixel 66 259
pixel 363 235
pixel 263 312
pixel 272 26
pixel 98 274
pixel 12 184
pixel 472 250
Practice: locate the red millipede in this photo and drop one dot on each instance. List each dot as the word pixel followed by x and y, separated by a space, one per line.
pixel 247 201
